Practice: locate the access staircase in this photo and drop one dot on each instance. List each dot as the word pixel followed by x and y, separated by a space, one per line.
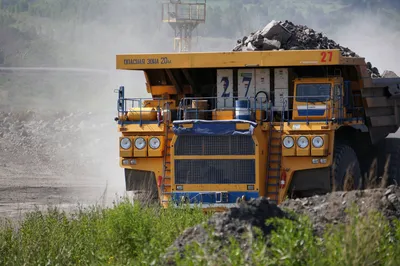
pixel 274 161
pixel 165 187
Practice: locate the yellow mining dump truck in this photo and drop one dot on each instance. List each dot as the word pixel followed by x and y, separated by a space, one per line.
pixel 223 127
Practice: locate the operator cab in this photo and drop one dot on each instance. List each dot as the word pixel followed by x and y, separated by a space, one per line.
pixel 317 98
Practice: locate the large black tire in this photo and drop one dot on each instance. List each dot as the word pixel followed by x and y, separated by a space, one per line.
pixel 345 158
pixel 143 184
pixel 391 152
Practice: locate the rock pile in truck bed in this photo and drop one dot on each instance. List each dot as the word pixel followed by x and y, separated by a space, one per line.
pixel 322 211
pixel 278 35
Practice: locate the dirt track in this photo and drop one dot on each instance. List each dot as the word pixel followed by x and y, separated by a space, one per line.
pixel 75 164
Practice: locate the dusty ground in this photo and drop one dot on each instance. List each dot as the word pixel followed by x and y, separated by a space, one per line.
pixel 62 159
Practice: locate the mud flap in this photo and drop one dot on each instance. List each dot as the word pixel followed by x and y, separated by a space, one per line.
pixel 306 183
pixel 141 182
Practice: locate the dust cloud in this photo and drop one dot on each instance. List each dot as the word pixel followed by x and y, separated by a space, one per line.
pixel 370 37
pixel 59 140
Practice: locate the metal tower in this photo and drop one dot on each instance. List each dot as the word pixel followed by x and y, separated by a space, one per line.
pixel 183 18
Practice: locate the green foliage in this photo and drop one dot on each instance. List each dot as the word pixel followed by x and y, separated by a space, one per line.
pixel 126 234
pixel 131 234
pixel 368 240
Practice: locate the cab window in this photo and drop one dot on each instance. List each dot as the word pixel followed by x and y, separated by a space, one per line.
pixel 313 92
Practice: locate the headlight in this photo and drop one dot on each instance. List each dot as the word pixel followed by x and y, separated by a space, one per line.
pixel 154 143
pixel 125 143
pixel 317 142
pixel 302 142
pixel 288 142
pixel 140 143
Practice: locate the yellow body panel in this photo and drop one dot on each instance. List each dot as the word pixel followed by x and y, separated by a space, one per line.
pixel 146 164
pixel 233 59
pixel 130 129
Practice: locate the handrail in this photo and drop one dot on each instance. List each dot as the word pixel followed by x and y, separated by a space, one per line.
pixel 132 107
pixel 255 104
pixel 333 108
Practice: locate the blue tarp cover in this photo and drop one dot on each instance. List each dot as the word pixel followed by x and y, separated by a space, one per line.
pixel 213 127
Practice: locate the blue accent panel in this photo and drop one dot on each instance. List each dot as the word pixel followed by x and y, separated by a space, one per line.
pixel 311 112
pixel 210 197
pixel 211 127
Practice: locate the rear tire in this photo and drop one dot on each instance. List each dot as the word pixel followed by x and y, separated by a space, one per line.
pixel 143 185
pixel 345 159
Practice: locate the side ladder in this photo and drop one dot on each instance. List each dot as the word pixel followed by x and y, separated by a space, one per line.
pixel 274 161
pixel 165 187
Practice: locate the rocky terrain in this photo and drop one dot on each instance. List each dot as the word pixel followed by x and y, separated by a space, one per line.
pixel 323 210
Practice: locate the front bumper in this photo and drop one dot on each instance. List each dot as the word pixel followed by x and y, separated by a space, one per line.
pixel 212 198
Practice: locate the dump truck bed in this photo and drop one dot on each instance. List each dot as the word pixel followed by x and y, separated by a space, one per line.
pixel 235 59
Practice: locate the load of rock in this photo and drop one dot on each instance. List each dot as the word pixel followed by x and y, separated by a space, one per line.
pixel 322 210
pixel 235 222
pixel 285 35
pixel 331 208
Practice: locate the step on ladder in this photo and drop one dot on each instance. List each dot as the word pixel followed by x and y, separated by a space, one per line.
pixel 165 186
pixel 274 161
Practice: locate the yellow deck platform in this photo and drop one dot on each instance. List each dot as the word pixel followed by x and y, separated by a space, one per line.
pixel 234 59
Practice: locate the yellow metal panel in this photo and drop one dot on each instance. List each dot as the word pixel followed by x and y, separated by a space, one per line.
pixel 157 152
pixel 323 151
pixel 223 115
pixel 305 151
pixel 145 128
pixel 146 164
pixel 142 152
pixel 289 151
pixel 242 126
pixel 232 59
pixel 128 152
pixel 160 90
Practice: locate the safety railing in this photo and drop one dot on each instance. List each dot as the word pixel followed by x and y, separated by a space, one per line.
pixel 205 108
pixel 173 12
pixel 316 108
pixel 141 110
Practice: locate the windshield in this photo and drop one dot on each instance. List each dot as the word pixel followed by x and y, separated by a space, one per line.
pixel 313 92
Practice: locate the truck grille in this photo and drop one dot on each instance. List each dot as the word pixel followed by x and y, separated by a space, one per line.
pixel 207 171
pixel 214 145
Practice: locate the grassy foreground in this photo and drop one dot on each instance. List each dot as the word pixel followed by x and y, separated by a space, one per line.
pixel 130 234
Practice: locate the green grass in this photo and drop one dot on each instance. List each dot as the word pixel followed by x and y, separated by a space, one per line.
pixel 125 234
pixel 131 234
pixel 369 240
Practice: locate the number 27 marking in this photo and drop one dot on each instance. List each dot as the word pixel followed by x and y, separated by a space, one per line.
pixel 323 56
pixel 248 80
